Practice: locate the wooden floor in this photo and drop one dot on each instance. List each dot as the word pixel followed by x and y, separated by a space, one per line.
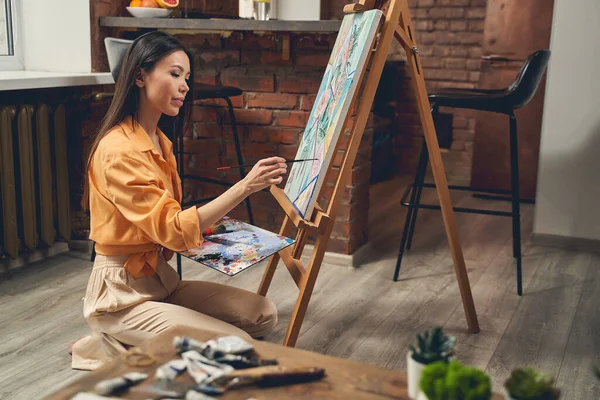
pixel 361 314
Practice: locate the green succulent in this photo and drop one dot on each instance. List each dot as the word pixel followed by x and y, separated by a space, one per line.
pixel 433 345
pixel 442 380
pixel 528 384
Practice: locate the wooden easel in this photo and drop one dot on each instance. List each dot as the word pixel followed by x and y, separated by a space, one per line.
pixel 397 24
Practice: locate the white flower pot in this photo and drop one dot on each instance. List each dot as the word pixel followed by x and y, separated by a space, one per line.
pixel 414 369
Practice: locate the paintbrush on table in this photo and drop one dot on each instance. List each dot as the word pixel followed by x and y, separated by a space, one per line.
pixel 252 165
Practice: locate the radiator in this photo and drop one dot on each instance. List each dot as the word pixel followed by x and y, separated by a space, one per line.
pixel 34 182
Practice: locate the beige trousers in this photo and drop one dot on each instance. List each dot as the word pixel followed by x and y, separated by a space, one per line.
pixel 124 311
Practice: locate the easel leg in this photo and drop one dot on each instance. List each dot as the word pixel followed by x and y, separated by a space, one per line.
pixel 439 176
pixel 306 289
pixel 272 266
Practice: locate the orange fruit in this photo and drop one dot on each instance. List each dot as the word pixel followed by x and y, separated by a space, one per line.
pixel 168 3
pixel 135 3
pixel 149 4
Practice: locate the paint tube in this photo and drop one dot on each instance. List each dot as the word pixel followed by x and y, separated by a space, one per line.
pixel 203 369
pixel 171 370
pixel 90 396
pixel 118 385
pixel 184 344
pixel 242 362
pixel 193 395
pixel 214 348
pixel 226 345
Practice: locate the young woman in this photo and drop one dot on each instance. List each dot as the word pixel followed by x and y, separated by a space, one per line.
pixel 134 195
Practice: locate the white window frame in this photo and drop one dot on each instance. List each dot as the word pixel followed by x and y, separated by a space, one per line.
pixel 14 62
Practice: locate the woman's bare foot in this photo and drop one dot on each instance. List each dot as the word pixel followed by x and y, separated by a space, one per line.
pixel 72 344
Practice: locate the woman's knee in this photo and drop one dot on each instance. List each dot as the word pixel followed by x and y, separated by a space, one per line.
pixel 264 318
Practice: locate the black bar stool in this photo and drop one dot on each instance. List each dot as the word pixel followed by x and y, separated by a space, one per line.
pixel 203 92
pixel 503 101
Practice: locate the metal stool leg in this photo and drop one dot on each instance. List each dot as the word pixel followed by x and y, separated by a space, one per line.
pixel 239 154
pixel 516 214
pixel 411 211
pixel 93 258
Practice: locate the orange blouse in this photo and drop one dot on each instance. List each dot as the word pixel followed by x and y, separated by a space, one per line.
pixel 135 197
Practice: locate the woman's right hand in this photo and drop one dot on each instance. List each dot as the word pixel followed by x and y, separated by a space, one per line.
pixel 265 173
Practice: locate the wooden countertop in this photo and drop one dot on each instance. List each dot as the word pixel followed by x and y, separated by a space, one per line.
pixel 325 26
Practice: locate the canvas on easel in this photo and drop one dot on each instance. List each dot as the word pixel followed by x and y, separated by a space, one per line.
pixel 320 221
pixel 340 81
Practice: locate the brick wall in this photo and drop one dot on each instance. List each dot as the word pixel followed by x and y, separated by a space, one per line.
pixel 271 116
pixel 449 34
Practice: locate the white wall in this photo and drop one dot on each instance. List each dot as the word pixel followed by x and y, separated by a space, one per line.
pixel 56 36
pixel 568 198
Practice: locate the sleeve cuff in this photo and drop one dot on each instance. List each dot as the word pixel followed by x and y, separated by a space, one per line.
pixel 190 228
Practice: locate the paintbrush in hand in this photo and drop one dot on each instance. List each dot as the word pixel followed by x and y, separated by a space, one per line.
pixel 252 165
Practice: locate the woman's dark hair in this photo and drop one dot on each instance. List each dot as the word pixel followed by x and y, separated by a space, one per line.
pixel 144 53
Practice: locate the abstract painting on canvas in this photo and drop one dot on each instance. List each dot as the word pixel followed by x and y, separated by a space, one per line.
pixel 352 47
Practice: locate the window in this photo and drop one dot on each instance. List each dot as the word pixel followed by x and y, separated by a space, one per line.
pixel 11 55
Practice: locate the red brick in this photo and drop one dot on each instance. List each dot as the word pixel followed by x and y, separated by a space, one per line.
pixel 290 118
pixel 447 38
pixel 272 100
pixel 361 174
pixel 202 146
pixel 341 229
pixel 311 42
pixel 446 13
pixel 455 63
pixel 427 38
pixel 470 37
pixel 297 84
pixel 480 3
pixel 441 51
pixel 206 77
pixel 474 76
pixel 199 161
pixel 204 114
pixel 307 102
pixel 207 130
pixel 476 26
pixel 442 25
pixel 288 151
pixel 313 59
pixel 273 134
pixel 475 13
pixel 458 26
pixel 251 117
pixel 237 102
pixel 255 81
pixel 459 123
pixel 420 13
pixel 463 135
pixel 424 25
pixel 426 3
pixel 254 152
pixel 431 62
pixel 219 59
pixel 458 52
pixel 453 3
pixel 473 64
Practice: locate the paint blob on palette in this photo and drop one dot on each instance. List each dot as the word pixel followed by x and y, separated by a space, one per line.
pixel 240 247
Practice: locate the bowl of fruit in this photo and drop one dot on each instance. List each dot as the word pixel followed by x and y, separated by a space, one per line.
pixel 152 8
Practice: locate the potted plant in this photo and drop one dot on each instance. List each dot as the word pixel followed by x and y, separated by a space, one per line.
pixel 530 384
pixel 432 345
pixel 454 381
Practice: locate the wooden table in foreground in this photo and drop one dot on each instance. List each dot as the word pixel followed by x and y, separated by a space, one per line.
pixel 345 379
